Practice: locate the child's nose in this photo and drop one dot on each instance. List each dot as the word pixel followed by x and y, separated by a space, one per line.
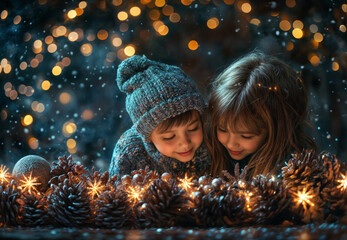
pixel 185 140
pixel 232 141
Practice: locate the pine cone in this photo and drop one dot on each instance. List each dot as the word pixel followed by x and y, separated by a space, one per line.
pixel 61 169
pixel 9 204
pixel 335 197
pixel 207 209
pixel 113 210
pixel 69 203
pixel 34 211
pixel 274 200
pixel 307 169
pixel 163 204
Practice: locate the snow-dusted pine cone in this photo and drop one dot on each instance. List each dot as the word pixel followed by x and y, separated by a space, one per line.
pixel 69 203
pixel 307 168
pixel 34 211
pixel 163 203
pixel 274 200
pixel 113 210
pixel 61 169
pixel 9 204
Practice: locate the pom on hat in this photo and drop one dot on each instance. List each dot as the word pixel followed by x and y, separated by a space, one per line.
pixel 35 166
pixel 130 67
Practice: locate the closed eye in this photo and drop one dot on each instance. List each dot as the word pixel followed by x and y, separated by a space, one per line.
pixel 247 137
pixel 169 138
pixel 194 129
pixel 221 130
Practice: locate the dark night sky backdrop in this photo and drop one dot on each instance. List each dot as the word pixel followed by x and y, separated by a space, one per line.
pixel 83 105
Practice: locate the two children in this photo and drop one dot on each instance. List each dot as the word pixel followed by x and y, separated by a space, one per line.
pixel 256 113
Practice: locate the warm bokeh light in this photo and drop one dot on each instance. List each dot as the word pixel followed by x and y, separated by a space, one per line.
pixel 135 11
pixel 34 63
pixel 27 120
pixel 22 89
pixel 116 41
pixel 285 25
pixel 71 14
pixel 66 61
pixel 86 49
pixel 4 14
pixel 154 14
pixel 64 98
pixel 335 66
pixel 186 2
pixel 87 114
pixel 342 28
pixel 163 30
pixel 297 33
pixel 344 7
pixel 33 143
pixel 117 2
pixel 122 16
pixel 102 34
pixel 71 143
pixel 290 3
pixel 314 59
pixel 159 3
pixel 290 46
pixel 82 4
pixel 45 85
pixel 69 128
pixel 246 7
pixel 52 48
pixel 23 66
pixel 212 23
pixel 129 50
pixel 56 71
pixel 167 10
pixel 298 24
pixel 255 21
pixel 73 36
pixel 37 44
pixel 318 37
pixel 17 19
pixel 193 45
pixel 175 17
pixel 313 28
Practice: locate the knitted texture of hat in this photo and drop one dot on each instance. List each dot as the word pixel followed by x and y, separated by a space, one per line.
pixel 155 92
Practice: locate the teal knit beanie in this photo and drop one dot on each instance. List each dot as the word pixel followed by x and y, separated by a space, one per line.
pixel 155 92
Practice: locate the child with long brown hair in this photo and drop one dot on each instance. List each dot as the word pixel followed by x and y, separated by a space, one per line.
pixel 257 112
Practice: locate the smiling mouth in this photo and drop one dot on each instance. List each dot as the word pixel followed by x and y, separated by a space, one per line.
pixel 183 154
pixel 235 152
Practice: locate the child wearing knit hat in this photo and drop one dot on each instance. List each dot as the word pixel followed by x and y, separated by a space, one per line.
pixel 165 108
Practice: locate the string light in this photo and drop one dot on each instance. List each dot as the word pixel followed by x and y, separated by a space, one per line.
pixel 95 189
pixel 186 183
pixel 29 183
pixel 343 182
pixel 135 194
pixel 303 197
pixel 4 176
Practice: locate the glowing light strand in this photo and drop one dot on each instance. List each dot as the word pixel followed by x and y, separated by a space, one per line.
pixel 4 176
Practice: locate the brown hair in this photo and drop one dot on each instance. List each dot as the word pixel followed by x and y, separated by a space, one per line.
pixel 177 120
pixel 263 93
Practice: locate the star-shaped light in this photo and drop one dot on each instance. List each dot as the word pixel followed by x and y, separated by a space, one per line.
pixel 29 183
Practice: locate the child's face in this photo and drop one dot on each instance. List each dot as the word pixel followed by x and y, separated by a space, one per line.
pixel 240 143
pixel 179 142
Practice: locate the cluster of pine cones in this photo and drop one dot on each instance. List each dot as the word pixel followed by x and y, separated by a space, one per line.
pixel 310 188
